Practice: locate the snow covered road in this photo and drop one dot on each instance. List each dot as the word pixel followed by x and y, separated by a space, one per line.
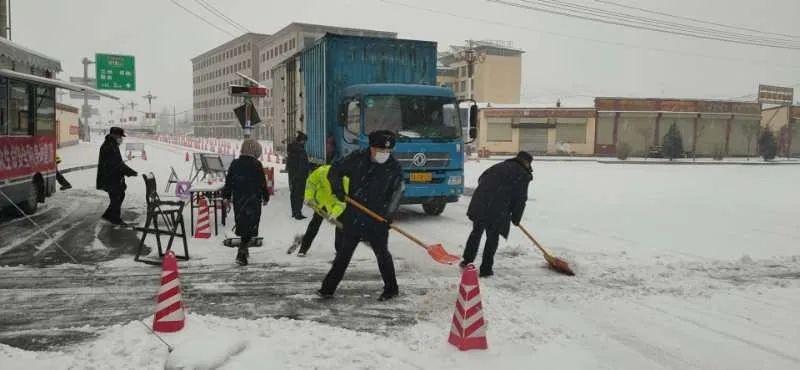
pixel 677 268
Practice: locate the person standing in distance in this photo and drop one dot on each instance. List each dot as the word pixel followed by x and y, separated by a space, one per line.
pixel 375 181
pixel 498 201
pixel 111 173
pixel 297 166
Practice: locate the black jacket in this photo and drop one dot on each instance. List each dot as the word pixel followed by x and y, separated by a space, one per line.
pixel 111 170
pixel 376 186
pixel 297 164
pixel 501 195
pixel 247 185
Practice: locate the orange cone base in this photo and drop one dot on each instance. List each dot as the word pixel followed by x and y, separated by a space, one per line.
pixel 167 326
pixel 466 344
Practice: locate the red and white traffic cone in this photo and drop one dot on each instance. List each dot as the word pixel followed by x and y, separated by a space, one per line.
pixel 203 229
pixel 187 157
pixel 469 329
pixel 169 315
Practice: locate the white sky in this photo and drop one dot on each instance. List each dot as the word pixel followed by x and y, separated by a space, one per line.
pixel 163 38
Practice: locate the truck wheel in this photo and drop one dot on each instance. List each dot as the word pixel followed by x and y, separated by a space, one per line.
pixel 31 202
pixel 434 208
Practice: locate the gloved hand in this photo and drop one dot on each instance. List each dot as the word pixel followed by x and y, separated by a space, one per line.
pixel 134 174
pixel 515 222
pixel 340 195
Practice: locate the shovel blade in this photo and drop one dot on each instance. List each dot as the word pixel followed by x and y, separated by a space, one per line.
pixel 561 266
pixel 439 254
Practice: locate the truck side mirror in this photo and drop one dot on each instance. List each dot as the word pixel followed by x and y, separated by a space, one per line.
pixel 473 121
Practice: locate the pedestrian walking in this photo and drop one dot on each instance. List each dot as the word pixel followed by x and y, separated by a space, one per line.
pixel 246 184
pixel 498 201
pixel 297 166
pixel 65 185
pixel 111 173
pixel 376 181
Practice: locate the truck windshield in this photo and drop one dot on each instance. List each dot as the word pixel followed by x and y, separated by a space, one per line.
pixel 432 117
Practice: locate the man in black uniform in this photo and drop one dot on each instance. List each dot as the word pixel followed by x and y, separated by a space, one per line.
pixel 376 181
pixel 498 200
pixel 297 166
pixel 111 172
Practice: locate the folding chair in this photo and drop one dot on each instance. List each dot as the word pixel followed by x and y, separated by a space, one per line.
pixel 171 215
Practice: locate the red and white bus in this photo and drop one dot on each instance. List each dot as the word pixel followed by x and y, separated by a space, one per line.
pixel 28 133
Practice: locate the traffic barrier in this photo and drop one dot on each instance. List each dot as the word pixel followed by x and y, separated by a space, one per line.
pixel 203 229
pixel 169 316
pixel 468 330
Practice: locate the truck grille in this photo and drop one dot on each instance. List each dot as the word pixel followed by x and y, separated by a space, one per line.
pixel 420 160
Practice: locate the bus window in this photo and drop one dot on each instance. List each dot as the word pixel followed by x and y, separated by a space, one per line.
pixel 3 106
pixel 45 111
pixel 18 110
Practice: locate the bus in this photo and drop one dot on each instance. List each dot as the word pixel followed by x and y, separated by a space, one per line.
pixel 28 126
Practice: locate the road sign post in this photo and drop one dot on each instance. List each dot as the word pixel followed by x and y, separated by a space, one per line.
pixel 115 72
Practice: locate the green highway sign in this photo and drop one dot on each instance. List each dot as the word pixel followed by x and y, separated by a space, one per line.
pixel 115 72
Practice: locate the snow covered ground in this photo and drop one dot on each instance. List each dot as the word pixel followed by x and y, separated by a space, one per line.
pixel 678 267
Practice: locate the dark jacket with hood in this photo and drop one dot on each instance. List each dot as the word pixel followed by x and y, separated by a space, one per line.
pixel 247 185
pixel 111 170
pixel 377 186
pixel 500 197
pixel 297 164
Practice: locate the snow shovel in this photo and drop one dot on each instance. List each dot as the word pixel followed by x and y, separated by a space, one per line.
pixel 555 263
pixel 436 251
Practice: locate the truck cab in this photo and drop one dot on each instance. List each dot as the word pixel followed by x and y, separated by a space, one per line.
pixel 429 136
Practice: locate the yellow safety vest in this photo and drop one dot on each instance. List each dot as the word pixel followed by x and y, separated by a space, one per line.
pixel 319 194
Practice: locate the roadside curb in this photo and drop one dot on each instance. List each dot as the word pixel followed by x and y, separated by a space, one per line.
pixel 78 168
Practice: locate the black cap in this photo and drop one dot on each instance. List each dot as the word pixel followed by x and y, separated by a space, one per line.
pixel 525 156
pixel 117 131
pixel 301 136
pixel 382 139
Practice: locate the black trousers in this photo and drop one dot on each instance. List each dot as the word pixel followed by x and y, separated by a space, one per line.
pixel 346 246
pixel 62 180
pixel 297 188
pixel 115 195
pixel 474 240
pixel 311 232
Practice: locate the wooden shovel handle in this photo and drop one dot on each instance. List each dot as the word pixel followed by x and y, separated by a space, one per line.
pixel 533 240
pixel 378 217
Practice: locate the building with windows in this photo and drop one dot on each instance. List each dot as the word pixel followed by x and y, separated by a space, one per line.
pixel 287 42
pixel 212 74
pixel 786 127
pixel 508 129
pixel 496 75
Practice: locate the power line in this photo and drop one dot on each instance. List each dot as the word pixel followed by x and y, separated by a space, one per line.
pixel 693 19
pixel 587 39
pixel 221 15
pixel 642 25
pixel 661 24
pixel 201 18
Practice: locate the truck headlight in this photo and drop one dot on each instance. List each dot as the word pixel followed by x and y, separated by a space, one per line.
pixel 454 180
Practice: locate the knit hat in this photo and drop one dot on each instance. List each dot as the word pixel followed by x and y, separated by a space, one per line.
pixel 301 136
pixel 251 148
pixel 525 156
pixel 384 139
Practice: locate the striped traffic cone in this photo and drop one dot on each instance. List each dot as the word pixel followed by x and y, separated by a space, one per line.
pixel 203 229
pixel 169 315
pixel 469 329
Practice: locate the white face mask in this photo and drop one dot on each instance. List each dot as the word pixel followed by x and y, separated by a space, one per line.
pixel 119 140
pixel 382 157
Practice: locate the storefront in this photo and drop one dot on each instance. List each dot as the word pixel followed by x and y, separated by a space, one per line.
pixel 67 129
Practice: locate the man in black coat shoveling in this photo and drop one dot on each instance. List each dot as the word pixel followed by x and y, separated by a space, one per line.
pixel 111 172
pixel 298 167
pixel 376 181
pixel 498 201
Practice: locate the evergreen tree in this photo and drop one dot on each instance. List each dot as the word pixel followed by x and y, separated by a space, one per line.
pixel 767 144
pixel 672 143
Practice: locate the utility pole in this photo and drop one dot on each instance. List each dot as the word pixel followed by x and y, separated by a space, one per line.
pixel 471 57
pixel 149 98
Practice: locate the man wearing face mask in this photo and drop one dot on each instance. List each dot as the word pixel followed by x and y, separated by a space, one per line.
pixel 111 172
pixel 376 181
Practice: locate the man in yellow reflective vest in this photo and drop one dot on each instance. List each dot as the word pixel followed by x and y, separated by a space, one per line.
pixel 319 196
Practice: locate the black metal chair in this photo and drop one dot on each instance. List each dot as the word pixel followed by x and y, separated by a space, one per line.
pixel 171 215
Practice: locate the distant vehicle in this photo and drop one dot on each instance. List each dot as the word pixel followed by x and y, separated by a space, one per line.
pixel 344 87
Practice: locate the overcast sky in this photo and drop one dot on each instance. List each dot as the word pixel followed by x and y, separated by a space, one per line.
pixel 559 60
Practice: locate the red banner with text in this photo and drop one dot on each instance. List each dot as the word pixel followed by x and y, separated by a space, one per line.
pixel 22 156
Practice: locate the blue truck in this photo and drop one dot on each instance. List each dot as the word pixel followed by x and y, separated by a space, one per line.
pixel 341 88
